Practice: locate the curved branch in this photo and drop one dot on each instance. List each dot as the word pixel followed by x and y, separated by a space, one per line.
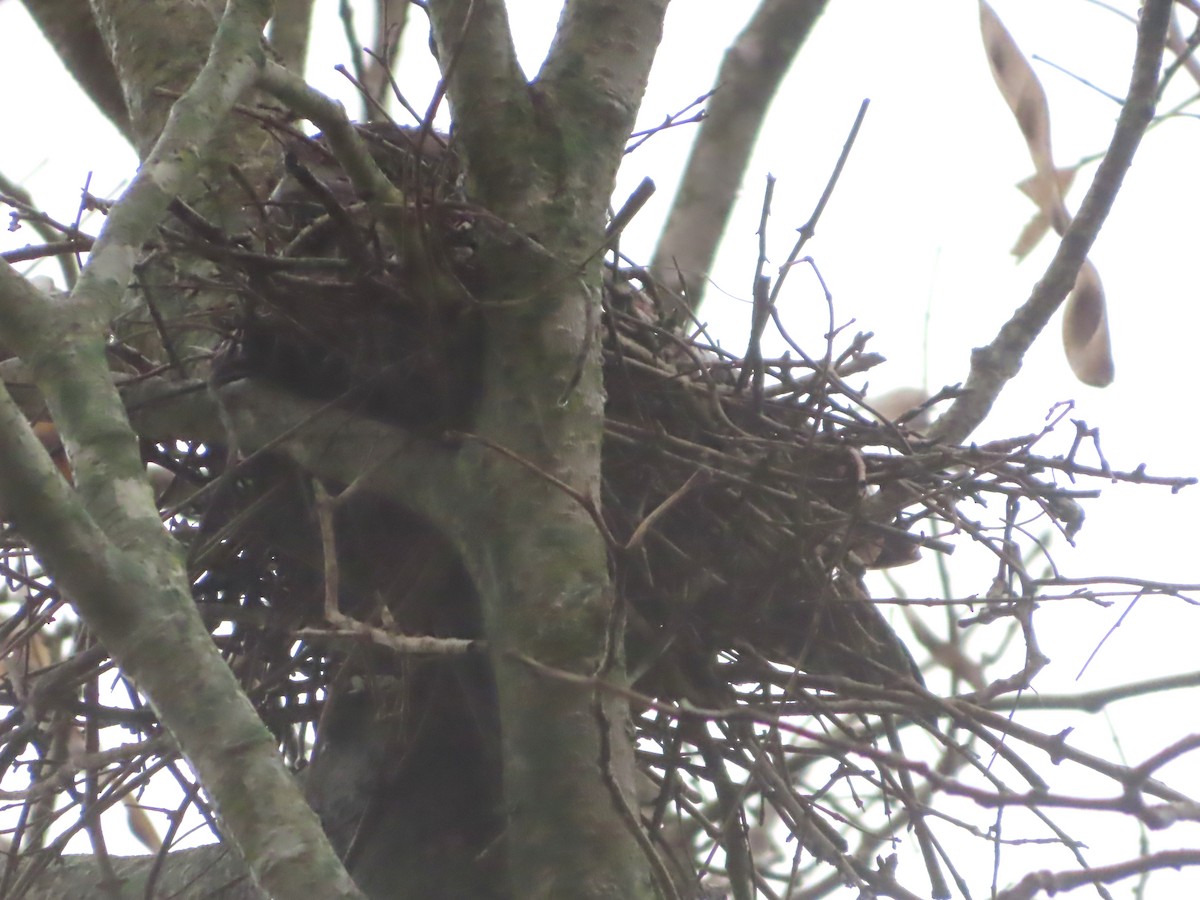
pixel 329 442
pixel 386 201
pixel 753 68
pixel 344 447
pixel 70 29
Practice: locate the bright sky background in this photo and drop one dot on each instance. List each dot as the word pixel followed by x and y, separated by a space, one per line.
pixel 919 229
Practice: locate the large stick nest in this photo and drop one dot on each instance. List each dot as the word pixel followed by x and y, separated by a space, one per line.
pixel 734 488
pixel 731 488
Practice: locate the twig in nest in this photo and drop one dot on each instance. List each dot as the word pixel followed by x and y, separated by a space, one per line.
pixel 809 228
pixel 344 228
pixel 345 627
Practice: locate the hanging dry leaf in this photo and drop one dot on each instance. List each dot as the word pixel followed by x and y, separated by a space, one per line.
pixel 1085 330
pixel 1023 92
pixel 1033 188
pixel 27 657
pixel 1019 86
pixel 141 826
pixel 1085 322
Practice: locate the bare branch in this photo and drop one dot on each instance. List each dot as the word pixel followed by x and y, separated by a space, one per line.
pixel 18 198
pixel 751 73
pixel 1097 700
pixel 1055 882
pixel 390 18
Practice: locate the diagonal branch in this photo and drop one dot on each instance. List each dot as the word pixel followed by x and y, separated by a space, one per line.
pixel 137 601
pixel 993 366
pixel 171 166
pixel 753 68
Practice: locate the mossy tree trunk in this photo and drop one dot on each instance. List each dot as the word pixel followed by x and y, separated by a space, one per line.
pixel 544 157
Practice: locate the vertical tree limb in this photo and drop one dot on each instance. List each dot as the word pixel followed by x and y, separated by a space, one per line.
pixel 488 95
pixel 391 17
pixel 289 32
pixel 543 157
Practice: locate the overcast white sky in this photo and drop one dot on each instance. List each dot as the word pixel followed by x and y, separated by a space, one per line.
pixel 921 223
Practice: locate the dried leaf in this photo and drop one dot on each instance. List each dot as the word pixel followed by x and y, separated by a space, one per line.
pixel 141 826
pixel 1034 188
pixel 1085 330
pixel 1031 235
pixel 1085 322
pixel 1019 86
pixel 1023 92
pixel 27 658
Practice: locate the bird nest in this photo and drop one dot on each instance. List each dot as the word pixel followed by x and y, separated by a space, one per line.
pixel 740 496
pixel 732 490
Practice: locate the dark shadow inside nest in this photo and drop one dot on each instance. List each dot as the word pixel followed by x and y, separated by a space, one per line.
pixel 404 769
pixel 333 309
